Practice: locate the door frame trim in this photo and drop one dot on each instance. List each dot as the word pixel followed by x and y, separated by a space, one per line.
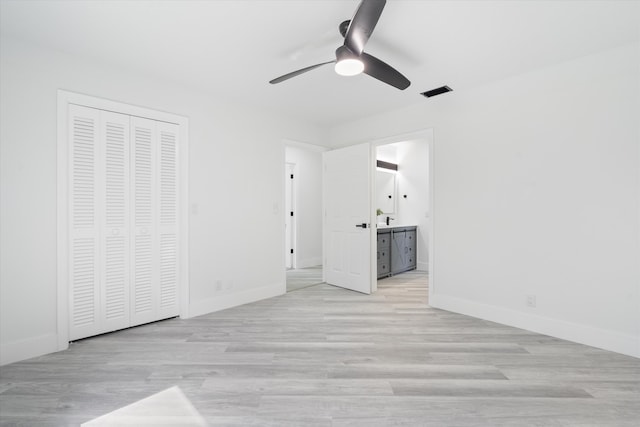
pixel 64 99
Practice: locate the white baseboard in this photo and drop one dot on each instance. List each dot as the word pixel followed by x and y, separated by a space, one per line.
pixel 422 266
pixel 15 351
pixel 222 302
pixel 588 335
pixel 309 262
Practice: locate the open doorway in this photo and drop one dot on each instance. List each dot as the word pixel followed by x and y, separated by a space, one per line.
pixel 303 215
pixel 403 205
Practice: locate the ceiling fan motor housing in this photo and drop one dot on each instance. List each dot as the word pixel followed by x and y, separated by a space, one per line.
pixel 343 27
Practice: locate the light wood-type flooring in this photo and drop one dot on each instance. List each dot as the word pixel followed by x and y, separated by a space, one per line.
pixel 324 356
pixel 303 277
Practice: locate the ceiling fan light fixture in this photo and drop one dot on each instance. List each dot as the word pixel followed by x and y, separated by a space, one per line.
pixel 349 67
pixel 351 59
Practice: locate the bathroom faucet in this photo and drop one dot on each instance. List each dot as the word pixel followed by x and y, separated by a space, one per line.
pixel 389 219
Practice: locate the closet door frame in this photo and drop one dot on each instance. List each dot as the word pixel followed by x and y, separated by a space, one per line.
pixel 66 98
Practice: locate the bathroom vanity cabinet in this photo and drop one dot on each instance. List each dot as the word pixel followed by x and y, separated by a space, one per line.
pixel 396 250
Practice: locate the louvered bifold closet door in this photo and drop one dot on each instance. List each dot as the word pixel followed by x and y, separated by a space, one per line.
pixel 84 246
pixel 145 260
pixel 154 290
pixel 123 205
pixel 115 240
pixel 168 218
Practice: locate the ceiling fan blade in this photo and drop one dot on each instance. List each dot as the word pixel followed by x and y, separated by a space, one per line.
pixel 384 72
pixel 362 24
pixel 298 72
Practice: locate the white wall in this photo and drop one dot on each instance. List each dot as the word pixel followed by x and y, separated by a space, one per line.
pixel 308 204
pixel 537 193
pixel 413 181
pixel 387 153
pixel 235 188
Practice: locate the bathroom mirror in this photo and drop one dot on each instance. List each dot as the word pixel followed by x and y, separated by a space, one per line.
pixel 386 189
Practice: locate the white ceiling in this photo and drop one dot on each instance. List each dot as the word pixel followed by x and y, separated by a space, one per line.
pixel 231 49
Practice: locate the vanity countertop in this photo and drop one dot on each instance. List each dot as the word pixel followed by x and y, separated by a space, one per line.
pixel 388 227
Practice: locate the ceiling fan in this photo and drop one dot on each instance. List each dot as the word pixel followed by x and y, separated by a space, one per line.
pixel 350 57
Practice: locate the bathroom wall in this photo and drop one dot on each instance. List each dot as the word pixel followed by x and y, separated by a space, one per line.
pixel 413 182
pixel 387 153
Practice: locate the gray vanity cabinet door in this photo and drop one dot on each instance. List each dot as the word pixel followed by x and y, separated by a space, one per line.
pixel 410 242
pixel 398 251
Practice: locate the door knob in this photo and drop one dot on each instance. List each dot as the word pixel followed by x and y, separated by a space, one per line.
pixel 363 225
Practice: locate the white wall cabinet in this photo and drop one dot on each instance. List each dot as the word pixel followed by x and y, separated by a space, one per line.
pixel 123 221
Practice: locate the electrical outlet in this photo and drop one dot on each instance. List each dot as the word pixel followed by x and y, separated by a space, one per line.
pixel 531 301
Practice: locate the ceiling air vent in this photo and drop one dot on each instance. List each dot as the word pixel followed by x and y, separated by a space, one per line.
pixel 436 91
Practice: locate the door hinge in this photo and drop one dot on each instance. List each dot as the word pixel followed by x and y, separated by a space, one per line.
pixel 291 250
pixel 291 213
pixel 291 176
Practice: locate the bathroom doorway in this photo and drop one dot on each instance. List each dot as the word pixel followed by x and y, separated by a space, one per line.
pixel 403 198
pixel 303 215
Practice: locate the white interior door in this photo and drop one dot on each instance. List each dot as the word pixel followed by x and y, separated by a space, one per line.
pixel 347 233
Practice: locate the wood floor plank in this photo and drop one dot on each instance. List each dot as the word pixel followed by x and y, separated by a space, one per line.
pixel 465 388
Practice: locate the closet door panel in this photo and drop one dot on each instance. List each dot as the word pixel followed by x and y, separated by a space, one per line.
pixel 115 240
pixel 84 176
pixel 145 262
pixel 168 218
